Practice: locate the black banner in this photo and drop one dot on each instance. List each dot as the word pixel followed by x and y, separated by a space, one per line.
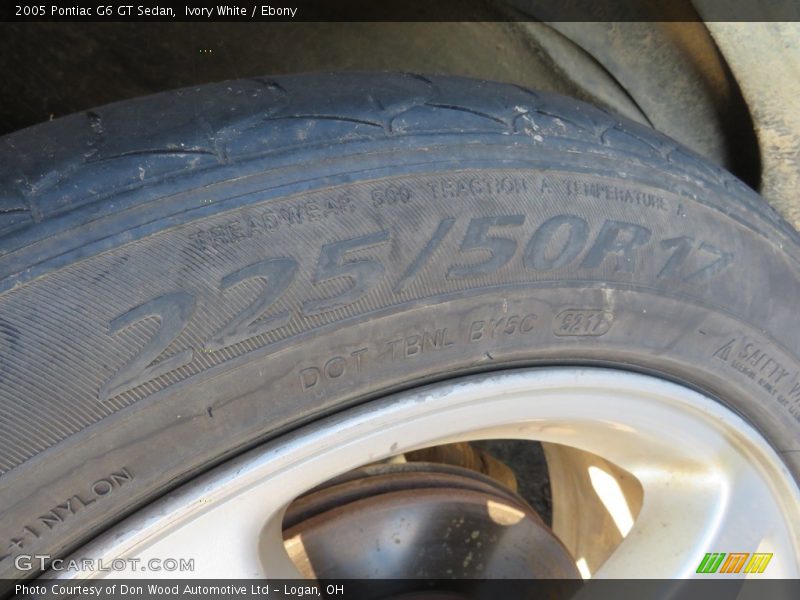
pixel 396 10
pixel 715 587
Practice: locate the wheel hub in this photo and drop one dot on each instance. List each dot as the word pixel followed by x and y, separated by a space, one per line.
pixel 421 521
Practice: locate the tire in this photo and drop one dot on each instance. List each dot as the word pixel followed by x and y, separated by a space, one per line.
pixel 185 275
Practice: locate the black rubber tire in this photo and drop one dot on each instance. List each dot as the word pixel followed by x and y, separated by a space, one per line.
pixel 284 248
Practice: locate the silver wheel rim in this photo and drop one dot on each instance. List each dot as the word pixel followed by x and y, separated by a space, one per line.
pixel 710 482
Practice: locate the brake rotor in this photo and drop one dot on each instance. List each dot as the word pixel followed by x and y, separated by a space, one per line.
pixel 421 521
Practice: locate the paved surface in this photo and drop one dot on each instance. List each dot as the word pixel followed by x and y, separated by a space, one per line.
pixel 527 460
